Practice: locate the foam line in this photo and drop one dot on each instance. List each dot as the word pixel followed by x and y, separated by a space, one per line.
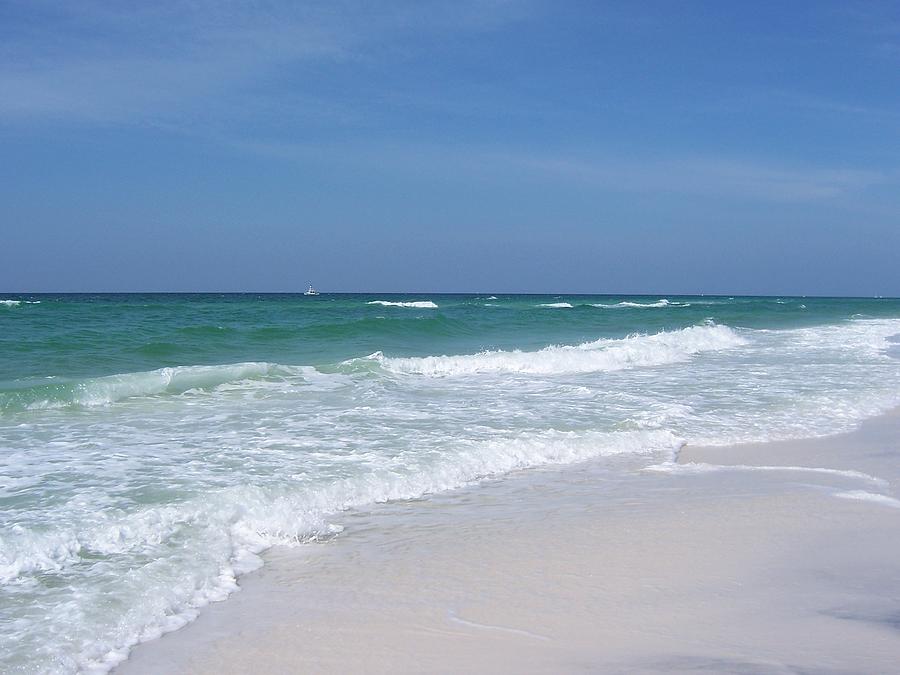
pixel 701 467
pixel 862 495
pixel 598 356
pixel 111 388
pixel 642 305
pixel 418 304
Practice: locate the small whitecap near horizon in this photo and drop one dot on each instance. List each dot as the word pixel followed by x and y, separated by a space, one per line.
pixel 662 302
pixel 415 304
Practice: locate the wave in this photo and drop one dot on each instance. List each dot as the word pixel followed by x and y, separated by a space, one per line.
pixel 642 305
pixel 241 521
pixel 111 388
pixel 258 517
pixel 600 355
pixel 10 303
pixel 418 304
pixel 557 305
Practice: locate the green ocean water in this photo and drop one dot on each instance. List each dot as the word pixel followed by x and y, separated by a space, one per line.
pixel 152 446
pixel 90 335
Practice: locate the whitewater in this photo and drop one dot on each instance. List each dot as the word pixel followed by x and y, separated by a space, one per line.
pixel 152 447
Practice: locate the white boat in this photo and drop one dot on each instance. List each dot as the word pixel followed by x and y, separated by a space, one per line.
pixel 310 291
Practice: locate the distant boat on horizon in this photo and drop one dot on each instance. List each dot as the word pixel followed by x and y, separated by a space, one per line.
pixel 310 291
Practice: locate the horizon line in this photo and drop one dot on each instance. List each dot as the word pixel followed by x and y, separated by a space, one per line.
pixel 545 293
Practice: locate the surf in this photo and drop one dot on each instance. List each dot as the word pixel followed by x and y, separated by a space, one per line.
pixel 416 304
pixel 99 391
pixel 602 355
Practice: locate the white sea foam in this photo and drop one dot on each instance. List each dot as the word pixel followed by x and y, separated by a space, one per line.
pixel 659 303
pixel 557 305
pixel 862 495
pixel 257 518
pixel 10 303
pixel 228 528
pixel 156 504
pixel 109 389
pixel 701 467
pixel 418 304
pixel 600 355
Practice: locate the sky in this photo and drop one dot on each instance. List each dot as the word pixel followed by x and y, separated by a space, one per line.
pixel 470 146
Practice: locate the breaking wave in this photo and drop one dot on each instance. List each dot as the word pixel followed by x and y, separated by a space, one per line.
pixel 600 355
pixel 643 305
pixel 241 521
pixel 418 304
pixel 111 388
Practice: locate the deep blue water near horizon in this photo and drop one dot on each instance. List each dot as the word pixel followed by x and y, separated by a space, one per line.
pixel 153 445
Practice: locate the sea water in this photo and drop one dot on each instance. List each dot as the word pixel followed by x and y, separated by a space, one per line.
pixel 152 446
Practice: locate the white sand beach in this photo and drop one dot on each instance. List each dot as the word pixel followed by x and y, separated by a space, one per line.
pixel 717 565
pixel 459 337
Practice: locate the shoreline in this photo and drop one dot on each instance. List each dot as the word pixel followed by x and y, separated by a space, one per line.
pixel 746 564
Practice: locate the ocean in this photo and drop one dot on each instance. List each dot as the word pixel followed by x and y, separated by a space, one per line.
pixel 152 446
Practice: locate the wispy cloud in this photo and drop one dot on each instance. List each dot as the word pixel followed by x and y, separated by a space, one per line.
pixel 718 176
pixel 876 26
pixel 688 175
pixel 242 74
pixel 786 99
pixel 117 62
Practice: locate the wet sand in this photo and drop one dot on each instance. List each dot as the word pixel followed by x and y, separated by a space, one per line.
pixel 707 568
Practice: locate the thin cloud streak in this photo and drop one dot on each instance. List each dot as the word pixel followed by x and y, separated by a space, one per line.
pixel 687 175
pixel 117 65
pixel 720 176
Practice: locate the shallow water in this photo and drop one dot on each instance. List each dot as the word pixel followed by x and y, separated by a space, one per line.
pixel 151 446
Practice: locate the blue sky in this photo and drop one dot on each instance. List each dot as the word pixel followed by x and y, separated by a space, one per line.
pixel 530 146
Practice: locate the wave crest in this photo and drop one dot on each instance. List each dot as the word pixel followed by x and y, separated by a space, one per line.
pixel 662 302
pixel 418 304
pixel 111 388
pixel 600 355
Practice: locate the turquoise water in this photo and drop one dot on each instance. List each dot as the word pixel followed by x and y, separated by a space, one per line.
pixel 93 335
pixel 151 446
